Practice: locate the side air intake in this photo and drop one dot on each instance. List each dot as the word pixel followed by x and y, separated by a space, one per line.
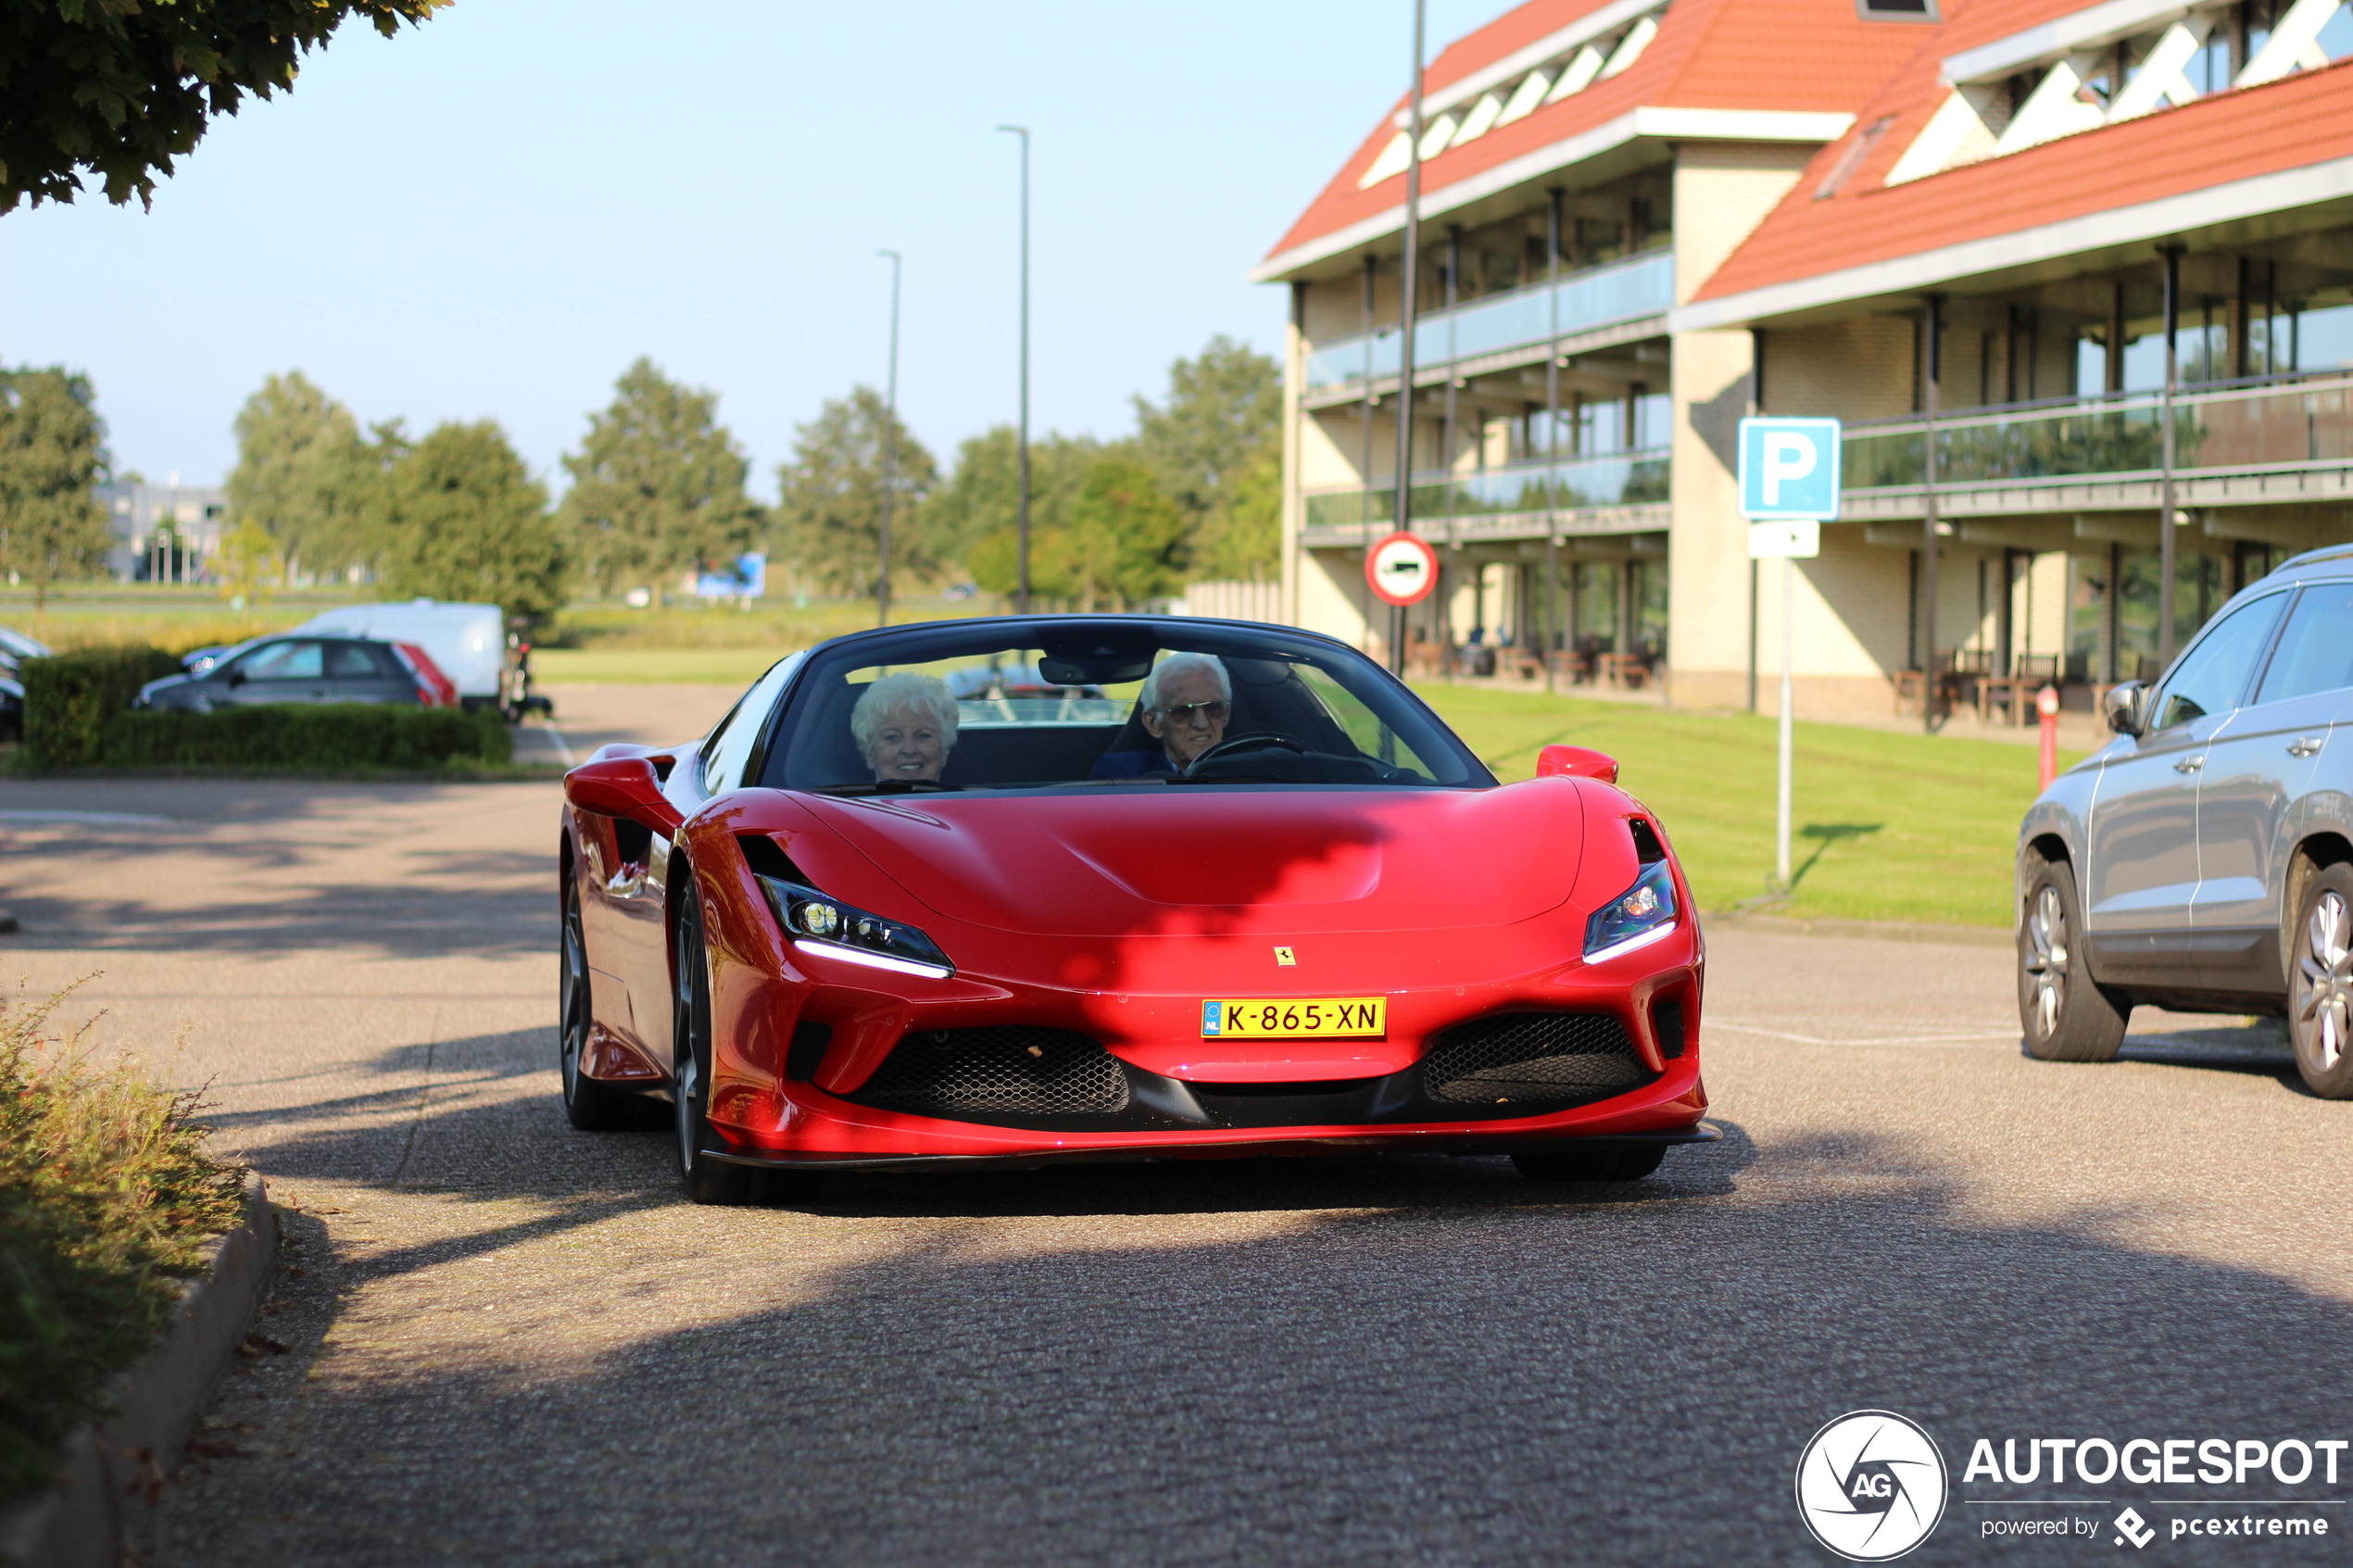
pixel 1533 1056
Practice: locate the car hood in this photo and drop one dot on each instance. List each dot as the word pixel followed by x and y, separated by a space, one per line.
pixel 1165 862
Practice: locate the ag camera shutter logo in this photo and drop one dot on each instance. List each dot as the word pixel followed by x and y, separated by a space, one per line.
pixel 1871 1485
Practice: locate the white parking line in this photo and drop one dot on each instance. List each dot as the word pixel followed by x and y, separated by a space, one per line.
pixel 555 738
pixel 118 818
pixel 1889 1040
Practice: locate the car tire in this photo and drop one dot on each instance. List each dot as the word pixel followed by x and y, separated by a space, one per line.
pixel 2066 1015
pixel 590 1106
pixel 1603 1162
pixel 709 1180
pixel 2320 983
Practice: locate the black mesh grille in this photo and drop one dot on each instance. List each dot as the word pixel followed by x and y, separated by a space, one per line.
pixel 1544 1056
pixel 1012 1071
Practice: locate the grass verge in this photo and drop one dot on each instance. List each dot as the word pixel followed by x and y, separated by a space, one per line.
pixel 1885 826
pixel 631 665
pixel 106 1198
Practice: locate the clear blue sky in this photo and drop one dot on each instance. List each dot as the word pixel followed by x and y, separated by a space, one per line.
pixel 490 216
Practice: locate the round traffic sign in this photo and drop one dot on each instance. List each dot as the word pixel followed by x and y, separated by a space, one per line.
pixel 1401 569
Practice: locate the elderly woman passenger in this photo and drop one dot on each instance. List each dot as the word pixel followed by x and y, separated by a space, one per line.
pixel 1183 705
pixel 904 725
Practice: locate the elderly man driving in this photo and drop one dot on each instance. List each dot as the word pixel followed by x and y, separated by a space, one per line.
pixel 1183 705
pixel 904 725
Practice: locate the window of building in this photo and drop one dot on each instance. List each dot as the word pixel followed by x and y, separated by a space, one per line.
pixel 1896 11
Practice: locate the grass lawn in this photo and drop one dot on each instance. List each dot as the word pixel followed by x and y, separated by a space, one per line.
pixel 613 666
pixel 1886 826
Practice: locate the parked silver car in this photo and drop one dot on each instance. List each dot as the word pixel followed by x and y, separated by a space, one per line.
pixel 2203 860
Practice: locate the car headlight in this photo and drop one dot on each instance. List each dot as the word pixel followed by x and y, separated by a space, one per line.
pixel 1636 918
pixel 817 920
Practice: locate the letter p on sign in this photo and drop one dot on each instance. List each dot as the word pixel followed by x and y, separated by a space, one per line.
pixel 1789 469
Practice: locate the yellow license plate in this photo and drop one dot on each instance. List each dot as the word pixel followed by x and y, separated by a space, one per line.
pixel 1294 1018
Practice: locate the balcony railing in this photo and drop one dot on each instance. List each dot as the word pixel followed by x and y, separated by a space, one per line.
pixel 1621 479
pixel 2231 428
pixel 1598 297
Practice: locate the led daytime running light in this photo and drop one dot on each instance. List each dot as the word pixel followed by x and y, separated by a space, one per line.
pixel 1636 918
pixel 815 920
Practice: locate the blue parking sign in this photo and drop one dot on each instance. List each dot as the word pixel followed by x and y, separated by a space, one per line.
pixel 1789 469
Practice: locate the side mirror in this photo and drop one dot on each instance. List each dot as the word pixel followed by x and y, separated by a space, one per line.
pixel 623 786
pixel 2122 707
pixel 234 679
pixel 1576 762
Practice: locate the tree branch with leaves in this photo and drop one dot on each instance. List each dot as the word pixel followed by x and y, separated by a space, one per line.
pixel 118 89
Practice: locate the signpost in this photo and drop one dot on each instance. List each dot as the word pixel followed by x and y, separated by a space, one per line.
pixel 1788 473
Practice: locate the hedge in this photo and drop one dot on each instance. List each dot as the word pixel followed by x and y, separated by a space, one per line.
pixel 333 735
pixel 68 700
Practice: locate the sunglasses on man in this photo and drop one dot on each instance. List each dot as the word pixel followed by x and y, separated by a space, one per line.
pixel 1184 712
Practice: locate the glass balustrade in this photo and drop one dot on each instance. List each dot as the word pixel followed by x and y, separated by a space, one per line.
pixel 1597 296
pixel 1622 478
pixel 2273 425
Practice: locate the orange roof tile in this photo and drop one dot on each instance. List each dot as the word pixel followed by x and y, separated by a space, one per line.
pixel 1805 56
pixel 2302 120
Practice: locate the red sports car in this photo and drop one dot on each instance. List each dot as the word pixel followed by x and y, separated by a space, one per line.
pixel 1095 887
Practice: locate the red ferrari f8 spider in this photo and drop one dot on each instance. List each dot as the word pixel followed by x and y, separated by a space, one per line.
pixel 1093 887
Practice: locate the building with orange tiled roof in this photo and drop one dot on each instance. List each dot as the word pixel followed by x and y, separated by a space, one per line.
pixel 1640 222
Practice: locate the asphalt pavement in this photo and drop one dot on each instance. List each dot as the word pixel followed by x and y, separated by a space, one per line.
pixel 508 1342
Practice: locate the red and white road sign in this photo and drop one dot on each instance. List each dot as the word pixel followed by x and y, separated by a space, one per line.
pixel 1403 569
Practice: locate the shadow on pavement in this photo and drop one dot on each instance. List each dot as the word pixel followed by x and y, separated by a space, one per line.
pixel 1443 1367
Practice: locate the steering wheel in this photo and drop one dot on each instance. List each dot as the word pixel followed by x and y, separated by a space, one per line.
pixel 1255 740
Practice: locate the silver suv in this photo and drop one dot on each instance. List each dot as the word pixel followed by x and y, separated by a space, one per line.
pixel 2203 860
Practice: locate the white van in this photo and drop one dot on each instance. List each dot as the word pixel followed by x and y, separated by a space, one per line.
pixel 468 641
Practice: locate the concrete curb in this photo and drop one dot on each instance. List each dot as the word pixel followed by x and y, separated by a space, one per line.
pixel 115 1467
pixel 1878 931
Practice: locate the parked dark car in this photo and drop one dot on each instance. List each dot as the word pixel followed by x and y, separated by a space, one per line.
pixel 15 648
pixel 2203 860
pixel 289 669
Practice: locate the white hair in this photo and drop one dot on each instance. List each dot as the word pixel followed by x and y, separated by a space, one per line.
pixel 911 692
pixel 1178 664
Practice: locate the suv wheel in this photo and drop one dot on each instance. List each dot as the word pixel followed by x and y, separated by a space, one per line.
pixel 2066 1016
pixel 2319 1015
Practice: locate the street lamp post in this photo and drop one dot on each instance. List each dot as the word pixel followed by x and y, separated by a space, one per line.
pixel 891 448
pixel 1021 601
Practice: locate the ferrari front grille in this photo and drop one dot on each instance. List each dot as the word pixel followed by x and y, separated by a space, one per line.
pixel 1007 1070
pixel 1533 1056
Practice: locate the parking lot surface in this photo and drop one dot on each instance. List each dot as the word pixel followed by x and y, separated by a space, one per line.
pixel 508 1342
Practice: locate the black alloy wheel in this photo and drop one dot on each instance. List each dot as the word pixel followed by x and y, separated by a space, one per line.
pixel 2066 1015
pixel 709 1180
pixel 592 1107
pixel 1591 1163
pixel 2319 1014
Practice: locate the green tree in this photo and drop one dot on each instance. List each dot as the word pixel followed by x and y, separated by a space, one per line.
pixel 247 564
pixel 1243 535
pixel 120 89
pixel 464 519
pixel 1222 420
pixel 51 454
pixel 306 475
pixel 1128 541
pixel 829 509
pixel 657 486
pixel 972 517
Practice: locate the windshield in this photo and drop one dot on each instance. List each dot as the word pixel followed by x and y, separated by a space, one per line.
pixel 1103 703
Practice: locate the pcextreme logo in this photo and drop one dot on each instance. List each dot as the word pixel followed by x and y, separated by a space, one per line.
pixel 1871 1485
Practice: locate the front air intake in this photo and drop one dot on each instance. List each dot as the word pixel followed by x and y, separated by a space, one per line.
pixel 1012 1070
pixel 1552 1056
